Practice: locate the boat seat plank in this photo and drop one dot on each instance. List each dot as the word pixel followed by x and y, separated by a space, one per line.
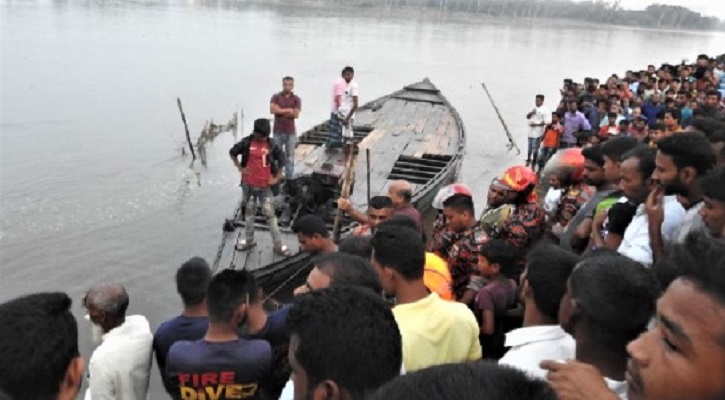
pixel 302 150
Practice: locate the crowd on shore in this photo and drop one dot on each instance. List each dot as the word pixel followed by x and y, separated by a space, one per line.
pixel 612 286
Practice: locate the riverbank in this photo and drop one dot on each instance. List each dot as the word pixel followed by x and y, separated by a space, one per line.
pixel 527 12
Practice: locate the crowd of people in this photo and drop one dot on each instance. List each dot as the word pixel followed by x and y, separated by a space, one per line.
pixel 611 286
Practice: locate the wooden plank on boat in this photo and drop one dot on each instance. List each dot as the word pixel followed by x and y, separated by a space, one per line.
pixel 302 150
pixel 431 128
pixel 371 139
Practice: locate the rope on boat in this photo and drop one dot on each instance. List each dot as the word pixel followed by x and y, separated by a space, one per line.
pixel 220 251
pixel 225 236
pixel 292 277
pixel 512 143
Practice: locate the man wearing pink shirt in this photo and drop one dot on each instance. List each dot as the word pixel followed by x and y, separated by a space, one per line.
pixel 344 105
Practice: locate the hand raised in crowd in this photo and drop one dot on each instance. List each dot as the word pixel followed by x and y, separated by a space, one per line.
pixel 654 205
pixel 574 380
pixel 344 204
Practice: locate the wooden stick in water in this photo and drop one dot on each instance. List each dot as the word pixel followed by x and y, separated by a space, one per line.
pixel 186 128
pixel 512 142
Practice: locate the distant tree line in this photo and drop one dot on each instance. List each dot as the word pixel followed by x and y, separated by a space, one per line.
pixel 597 11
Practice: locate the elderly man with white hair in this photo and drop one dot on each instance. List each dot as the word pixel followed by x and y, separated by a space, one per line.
pixel 401 192
pixel 119 368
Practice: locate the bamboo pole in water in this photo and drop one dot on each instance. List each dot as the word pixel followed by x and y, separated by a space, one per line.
pixel 186 128
pixel 512 142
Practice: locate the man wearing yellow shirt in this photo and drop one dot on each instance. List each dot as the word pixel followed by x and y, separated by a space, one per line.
pixel 434 331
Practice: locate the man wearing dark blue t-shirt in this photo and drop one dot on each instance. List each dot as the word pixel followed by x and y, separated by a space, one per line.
pixel 273 329
pixel 222 365
pixel 192 280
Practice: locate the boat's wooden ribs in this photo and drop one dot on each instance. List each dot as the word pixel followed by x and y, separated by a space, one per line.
pixel 418 170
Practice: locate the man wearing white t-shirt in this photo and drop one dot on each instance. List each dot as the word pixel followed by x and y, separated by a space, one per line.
pixel 119 367
pixel 538 118
pixel 344 105
pixel 543 284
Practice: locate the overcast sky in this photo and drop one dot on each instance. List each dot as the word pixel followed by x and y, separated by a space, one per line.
pixel 714 8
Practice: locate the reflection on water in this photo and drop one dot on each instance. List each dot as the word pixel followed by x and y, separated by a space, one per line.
pixel 93 184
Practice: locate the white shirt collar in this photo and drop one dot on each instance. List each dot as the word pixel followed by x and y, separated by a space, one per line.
pixel 132 325
pixel 530 334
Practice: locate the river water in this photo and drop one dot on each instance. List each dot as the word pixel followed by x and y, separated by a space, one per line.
pixel 94 187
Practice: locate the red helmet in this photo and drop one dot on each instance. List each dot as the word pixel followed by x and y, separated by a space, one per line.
pixel 568 164
pixel 518 179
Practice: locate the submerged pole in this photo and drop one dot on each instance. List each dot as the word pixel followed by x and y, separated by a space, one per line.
pixel 186 128
pixel 512 143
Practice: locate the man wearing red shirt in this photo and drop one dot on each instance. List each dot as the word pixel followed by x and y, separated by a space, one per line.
pixel 261 167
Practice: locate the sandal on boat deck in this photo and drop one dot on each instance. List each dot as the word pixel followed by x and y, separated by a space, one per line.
pixel 245 244
pixel 282 250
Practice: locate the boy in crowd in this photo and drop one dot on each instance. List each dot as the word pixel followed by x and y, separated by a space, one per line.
pixel 612 127
pixel 550 141
pixel 657 132
pixel 434 331
pixel 497 264
pixel 543 285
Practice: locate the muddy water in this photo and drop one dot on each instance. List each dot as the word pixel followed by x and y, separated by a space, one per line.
pixel 93 184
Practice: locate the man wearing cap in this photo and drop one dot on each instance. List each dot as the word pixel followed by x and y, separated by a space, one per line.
pixel 260 167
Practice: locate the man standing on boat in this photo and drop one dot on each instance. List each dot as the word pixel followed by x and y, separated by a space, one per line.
pixel 260 167
pixel 538 118
pixel 344 105
pixel 286 107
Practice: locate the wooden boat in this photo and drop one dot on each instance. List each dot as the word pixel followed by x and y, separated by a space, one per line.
pixel 413 134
